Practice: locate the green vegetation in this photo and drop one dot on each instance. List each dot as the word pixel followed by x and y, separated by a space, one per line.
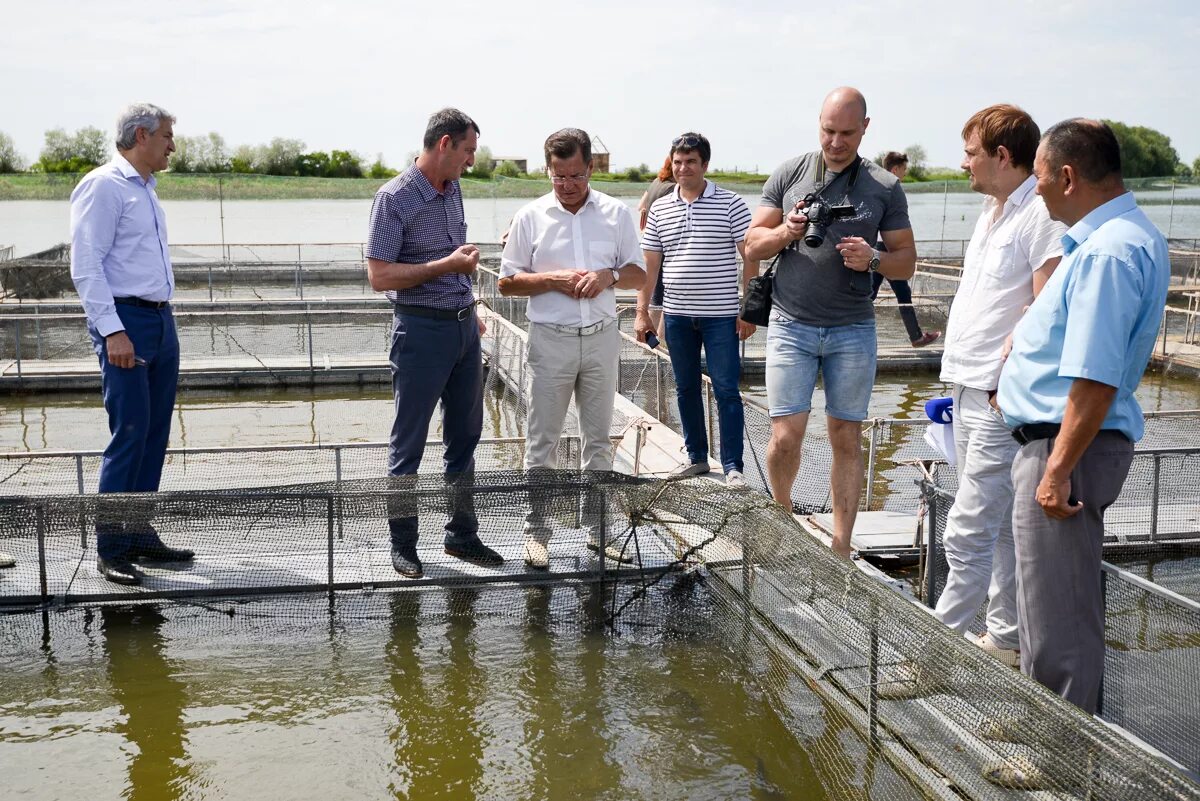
pixel 1145 152
pixel 10 159
pixel 78 152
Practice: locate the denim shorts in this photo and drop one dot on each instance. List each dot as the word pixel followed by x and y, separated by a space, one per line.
pixel 844 355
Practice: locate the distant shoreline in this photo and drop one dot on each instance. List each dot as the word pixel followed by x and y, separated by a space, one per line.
pixel 240 186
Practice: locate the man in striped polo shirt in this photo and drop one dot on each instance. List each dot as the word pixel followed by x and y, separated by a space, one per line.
pixel 694 235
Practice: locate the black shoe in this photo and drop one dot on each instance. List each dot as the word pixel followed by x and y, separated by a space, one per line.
pixel 118 570
pixel 407 563
pixel 161 552
pixel 475 552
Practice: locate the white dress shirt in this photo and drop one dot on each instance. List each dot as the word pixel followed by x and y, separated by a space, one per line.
pixel 545 237
pixel 118 242
pixel 997 284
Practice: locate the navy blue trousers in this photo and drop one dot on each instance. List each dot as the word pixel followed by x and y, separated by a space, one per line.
pixel 139 401
pixel 435 360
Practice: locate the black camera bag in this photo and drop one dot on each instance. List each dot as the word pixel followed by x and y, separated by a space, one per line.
pixel 756 304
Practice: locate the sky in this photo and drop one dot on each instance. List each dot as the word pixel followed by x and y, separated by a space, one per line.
pixel 364 75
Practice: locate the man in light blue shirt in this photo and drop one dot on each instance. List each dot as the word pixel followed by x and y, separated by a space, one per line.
pixel 122 271
pixel 1067 390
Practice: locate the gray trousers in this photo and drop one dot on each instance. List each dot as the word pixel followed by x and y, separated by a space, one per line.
pixel 562 365
pixel 1060 599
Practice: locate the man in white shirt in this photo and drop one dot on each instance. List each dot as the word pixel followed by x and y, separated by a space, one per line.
pixel 567 251
pixel 1013 251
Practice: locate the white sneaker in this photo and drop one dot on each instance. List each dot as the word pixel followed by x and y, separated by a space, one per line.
pixel 1009 656
pixel 612 551
pixel 537 555
pixel 690 469
pixel 735 480
pixel 6 560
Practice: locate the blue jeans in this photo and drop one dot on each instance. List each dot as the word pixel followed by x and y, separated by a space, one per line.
pixel 844 355
pixel 435 360
pixel 139 401
pixel 718 336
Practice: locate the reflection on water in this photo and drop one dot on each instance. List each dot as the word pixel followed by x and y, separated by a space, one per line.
pixel 461 694
pixel 251 417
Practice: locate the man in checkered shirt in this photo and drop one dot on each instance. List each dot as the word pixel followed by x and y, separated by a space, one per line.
pixel 417 253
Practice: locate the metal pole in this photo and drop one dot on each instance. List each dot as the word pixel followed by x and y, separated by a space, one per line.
pixel 1171 219
pixel 221 206
pixel 41 543
pixel 873 677
pixel 210 284
pixel 871 456
pixel 337 478
pixel 658 384
pixel 603 536
pixel 708 400
pixel 308 322
pixel 329 545
pixel 945 201
pixel 930 547
pixel 299 272
pixel 37 320
pixel 18 343
pixel 79 486
pixel 1154 498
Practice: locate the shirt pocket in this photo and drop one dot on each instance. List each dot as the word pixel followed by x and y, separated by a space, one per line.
pixel 602 255
pixel 1000 259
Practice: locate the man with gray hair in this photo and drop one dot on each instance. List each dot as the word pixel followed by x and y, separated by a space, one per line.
pixel 122 270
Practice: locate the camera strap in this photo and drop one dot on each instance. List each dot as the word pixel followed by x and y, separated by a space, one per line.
pixel 852 172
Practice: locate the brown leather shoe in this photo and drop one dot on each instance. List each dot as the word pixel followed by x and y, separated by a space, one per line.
pixel 927 338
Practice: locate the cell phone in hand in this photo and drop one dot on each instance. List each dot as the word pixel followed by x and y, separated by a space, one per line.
pixel 651 340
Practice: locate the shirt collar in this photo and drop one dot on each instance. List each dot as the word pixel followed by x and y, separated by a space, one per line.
pixel 127 170
pixel 590 200
pixel 709 189
pixel 425 189
pixel 1020 196
pixel 1078 233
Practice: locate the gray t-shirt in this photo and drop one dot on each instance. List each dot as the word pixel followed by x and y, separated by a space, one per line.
pixel 813 285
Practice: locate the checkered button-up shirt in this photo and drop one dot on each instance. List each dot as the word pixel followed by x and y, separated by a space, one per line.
pixel 413 223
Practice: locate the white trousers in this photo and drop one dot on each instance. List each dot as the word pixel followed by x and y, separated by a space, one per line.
pixel 561 365
pixel 979 537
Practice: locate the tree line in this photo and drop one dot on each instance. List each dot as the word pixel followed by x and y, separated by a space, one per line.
pixel 90 147
pixel 1145 153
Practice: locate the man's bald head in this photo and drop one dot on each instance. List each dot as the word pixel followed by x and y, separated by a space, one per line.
pixel 844 98
pixel 841 126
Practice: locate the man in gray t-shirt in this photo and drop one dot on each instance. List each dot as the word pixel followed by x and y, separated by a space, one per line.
pixel 823 319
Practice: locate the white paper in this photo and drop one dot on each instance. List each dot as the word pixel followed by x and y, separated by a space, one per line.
pixel 940 437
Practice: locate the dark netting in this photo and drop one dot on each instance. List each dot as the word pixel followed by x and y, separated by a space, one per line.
pixel 797 617
pixel 1152 664
pixel 1152 619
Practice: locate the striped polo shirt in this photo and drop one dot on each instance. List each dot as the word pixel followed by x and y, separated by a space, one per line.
pixel 699 242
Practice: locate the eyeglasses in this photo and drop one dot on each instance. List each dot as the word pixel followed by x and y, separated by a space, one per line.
pixel 559 180
pixel 687 142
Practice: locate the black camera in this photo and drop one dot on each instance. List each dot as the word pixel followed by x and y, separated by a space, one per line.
pixel 820 214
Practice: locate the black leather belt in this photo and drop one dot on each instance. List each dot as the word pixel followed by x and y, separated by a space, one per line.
pixel 436 314
pixel 1032 432
pixel 144 304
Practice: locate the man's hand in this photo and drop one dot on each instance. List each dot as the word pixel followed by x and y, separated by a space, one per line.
pixel 745 330
pixel 642 325
pixel 856 253
pixel 482 325
pixel 796 223
pixel 1054 496
pixel 564 281
pixel 593 283
pixel 1007 349
pixel 463 260
pixel 120 350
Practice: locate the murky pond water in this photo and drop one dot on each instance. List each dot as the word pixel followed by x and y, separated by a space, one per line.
pixel 456 694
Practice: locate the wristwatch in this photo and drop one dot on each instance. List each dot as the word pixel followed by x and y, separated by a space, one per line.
pixel 616 274
pixel 873 264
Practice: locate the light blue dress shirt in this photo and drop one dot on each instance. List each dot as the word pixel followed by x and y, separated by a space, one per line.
pixel 1096 318
pixel 118 242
